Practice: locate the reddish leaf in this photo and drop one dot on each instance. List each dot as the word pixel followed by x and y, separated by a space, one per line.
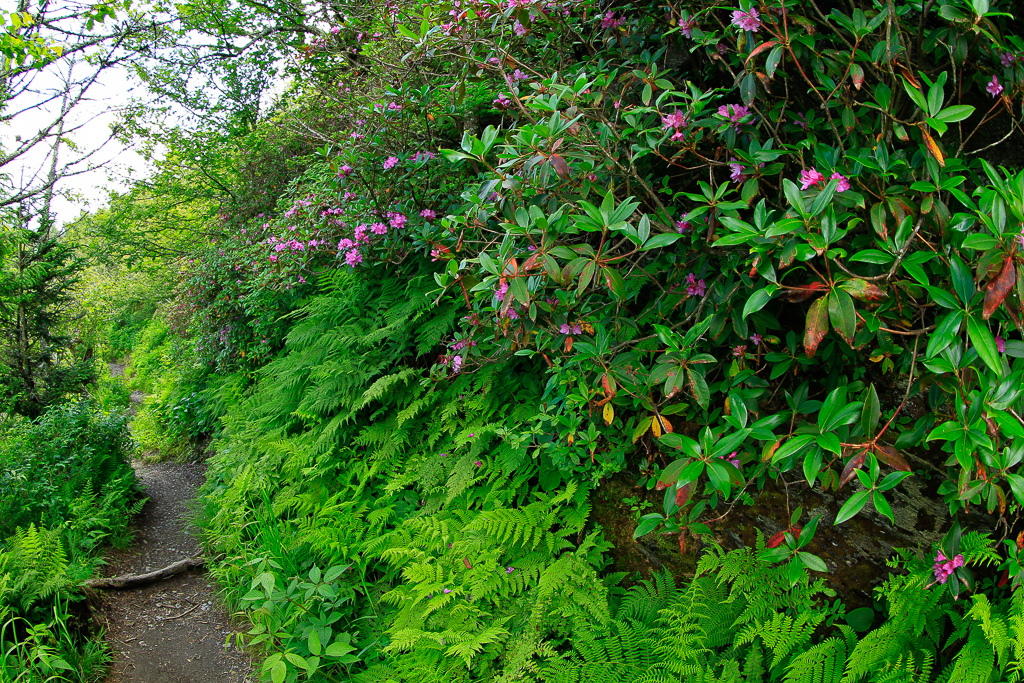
pixel 798 294
pixel 776 539
pixel 568 344
pixel 1003 579
pixel 862 290
pixel 854 464
pixel 997 289
pixel 560 166
pixel 933 147
pixel 891 457
pixel 857 74
pixel 761 48
pixel 683 494
pixel 608 383
pixel 682 541
pixel 465 561
pixel 817 325
pixel 531 262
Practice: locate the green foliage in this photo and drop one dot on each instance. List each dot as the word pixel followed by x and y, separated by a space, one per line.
pixel 67 490
pixel 37 275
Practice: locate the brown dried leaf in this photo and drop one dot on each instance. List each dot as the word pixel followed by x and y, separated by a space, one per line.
pixel 997 289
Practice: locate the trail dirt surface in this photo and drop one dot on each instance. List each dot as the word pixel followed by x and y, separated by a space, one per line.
pixel 172 631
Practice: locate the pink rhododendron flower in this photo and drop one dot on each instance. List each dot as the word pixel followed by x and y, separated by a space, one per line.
pixel 810 177
pixel 379 229
pixel 1000 344
pixel 353 257
pixel 390 163
pixel 686 27
pixel 397 220
pixel 1007 59
pixel 610 21
pixel 695 287
pixel 943 568
pixel 734 112
pixel 682 226
pixel 736 172
pixel 502 102
pixel 428 214
pixel 676 119
pixel 994 88
pixel 748 21
pixel 844 182
pixel 755 339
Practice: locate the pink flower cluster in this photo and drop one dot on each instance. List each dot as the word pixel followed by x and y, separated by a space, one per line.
pixel 944 568
pixel 390 163
pixel 748 21
pixel 811 177
pixel 502 102
pixel 734 112
pixel 695 287
pixel 567 329
pixel 682 226
pixel 676 121
pixel 610 21
pixel 994 88
pixel 733 459
pixel 429 214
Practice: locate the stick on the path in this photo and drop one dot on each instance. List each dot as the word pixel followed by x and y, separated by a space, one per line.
pixel 136 580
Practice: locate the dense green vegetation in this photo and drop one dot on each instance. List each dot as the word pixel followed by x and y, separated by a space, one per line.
pixel 479 262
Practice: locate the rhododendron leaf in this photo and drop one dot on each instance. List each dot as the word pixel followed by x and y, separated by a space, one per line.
pixel 891 457
pixel 842 315
pixel 517 286
pixel 699 388
pixel 861 289
pixel 608 413
pixel 984 343
pixel 761 48
pixel 817 325
pixel 615 283
pixel 854 505
pixel 882 506
pixel 559 164
pixel 641 427
pixel 997 289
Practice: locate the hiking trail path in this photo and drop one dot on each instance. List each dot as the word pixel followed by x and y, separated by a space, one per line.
pixel 173 630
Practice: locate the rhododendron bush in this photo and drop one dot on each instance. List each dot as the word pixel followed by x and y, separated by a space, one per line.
pixel 742 244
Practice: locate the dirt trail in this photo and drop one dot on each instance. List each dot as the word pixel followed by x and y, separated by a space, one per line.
pixel 172 631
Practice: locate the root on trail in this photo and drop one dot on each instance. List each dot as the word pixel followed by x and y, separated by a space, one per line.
pixel 137 580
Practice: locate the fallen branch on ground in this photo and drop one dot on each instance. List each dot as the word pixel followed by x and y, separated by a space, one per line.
pixel 137 580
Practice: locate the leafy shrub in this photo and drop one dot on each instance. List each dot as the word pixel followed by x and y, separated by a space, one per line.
pixel 67 489
pixel 69 452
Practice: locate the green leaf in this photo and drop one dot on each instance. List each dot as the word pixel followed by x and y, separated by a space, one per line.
pixel 758 300
pixel 870 412
pixel 648 523
pixel 842 315
pixel 957 112
pixel 314 643
pixel 278 671
pixel 882 506
pixel 813 562
pixel 984 343
pixel 854 505
pixel 663 240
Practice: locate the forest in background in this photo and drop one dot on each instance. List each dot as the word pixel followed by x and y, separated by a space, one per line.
pixel 540 341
